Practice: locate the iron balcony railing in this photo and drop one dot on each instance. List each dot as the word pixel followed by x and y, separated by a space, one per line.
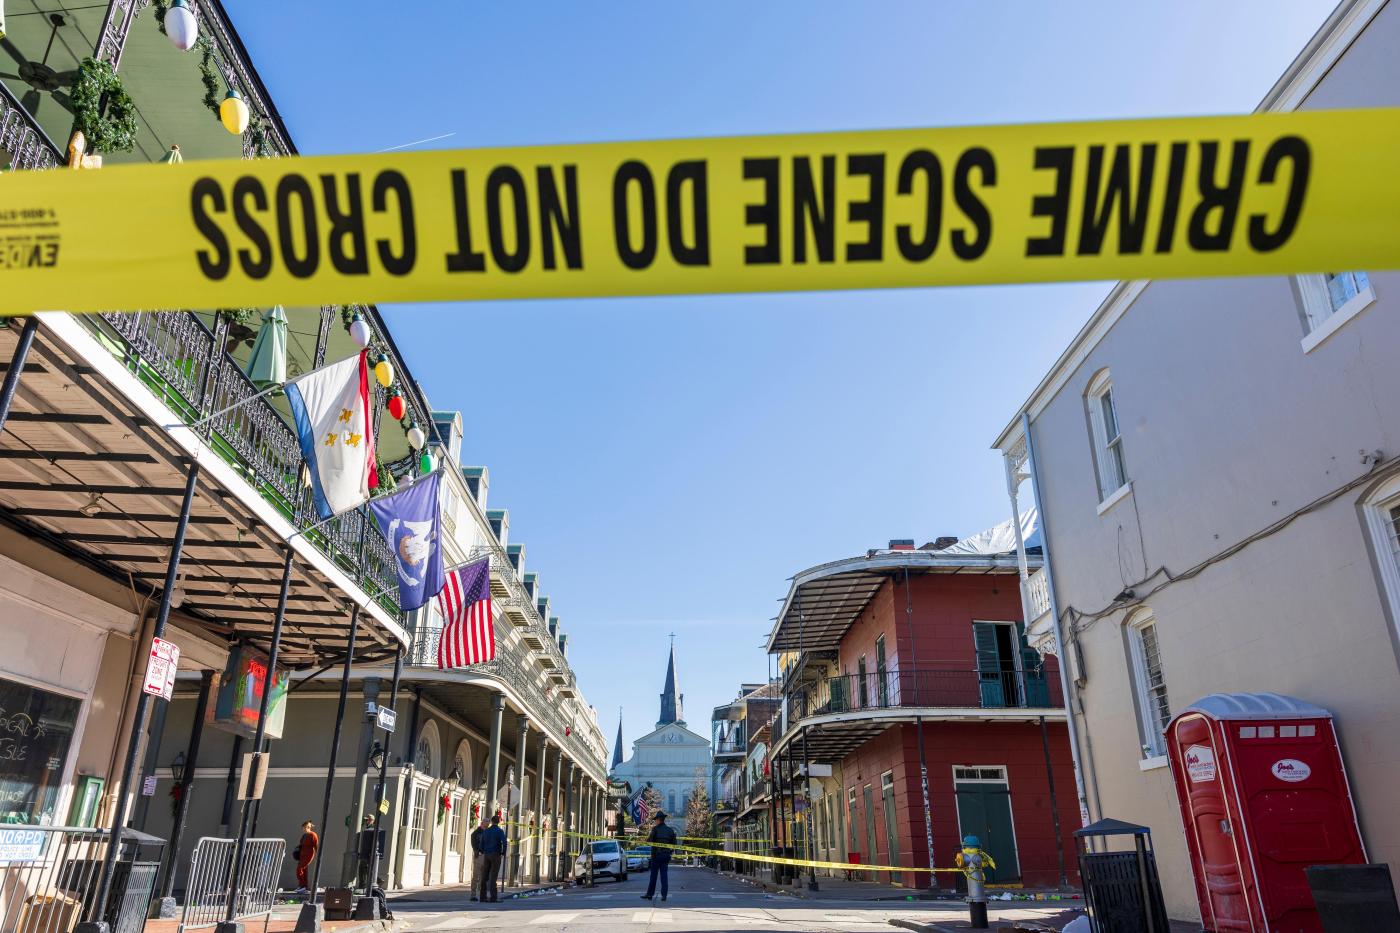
pixel 184 362
pixel 512 665
pixel 974 689
pixel 731 747
pixel 23 143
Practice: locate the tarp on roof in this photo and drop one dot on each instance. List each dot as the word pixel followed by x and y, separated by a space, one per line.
pixel 1000 539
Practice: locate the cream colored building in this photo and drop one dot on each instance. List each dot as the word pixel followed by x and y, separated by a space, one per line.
pixel 1216 466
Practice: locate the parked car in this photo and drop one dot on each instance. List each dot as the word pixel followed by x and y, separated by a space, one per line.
pixel 639 859
pixel 607 859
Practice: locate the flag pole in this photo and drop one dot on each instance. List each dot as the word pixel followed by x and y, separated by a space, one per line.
pixel 241 402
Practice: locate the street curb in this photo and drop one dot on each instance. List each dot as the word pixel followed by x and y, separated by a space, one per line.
pixel 920 927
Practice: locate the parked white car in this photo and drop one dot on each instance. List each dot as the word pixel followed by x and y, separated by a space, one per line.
pixel 608 861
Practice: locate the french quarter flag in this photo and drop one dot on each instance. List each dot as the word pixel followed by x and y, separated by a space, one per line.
pixel 468 634
pixel 331 408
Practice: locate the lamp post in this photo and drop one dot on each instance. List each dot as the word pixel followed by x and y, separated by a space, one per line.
pixel 177 769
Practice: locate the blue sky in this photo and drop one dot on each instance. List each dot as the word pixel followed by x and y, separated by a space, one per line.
pixel 669 463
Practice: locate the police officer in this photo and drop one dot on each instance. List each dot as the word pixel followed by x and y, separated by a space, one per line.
pixel 662 838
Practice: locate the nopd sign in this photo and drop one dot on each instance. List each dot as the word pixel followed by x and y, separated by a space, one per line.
pixel 1260 194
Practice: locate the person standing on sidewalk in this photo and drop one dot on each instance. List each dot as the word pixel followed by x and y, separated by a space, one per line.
pixel 478 860
pixel 493 852
pixel 305 852
pixel 662 839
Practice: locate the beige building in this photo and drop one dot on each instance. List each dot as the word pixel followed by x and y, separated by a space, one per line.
pixel 1216 466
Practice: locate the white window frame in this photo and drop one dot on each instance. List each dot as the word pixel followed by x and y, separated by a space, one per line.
pixel 1110 463
pixel 1382 527
pixel 418 828
pixel 1321 317
pixel 1154 744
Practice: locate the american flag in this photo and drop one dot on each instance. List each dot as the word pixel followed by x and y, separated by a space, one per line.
pixel 641 810
pixel 468 635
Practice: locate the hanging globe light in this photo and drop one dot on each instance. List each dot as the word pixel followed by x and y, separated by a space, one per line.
pixel 426 462
pixel 181 25
pixel 359 330
pixel 233 113
pixel 384 372
pixel 416 437
pixel 396 405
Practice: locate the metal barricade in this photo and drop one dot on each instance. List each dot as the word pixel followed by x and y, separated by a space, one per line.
pixel 211 873
pixel 49 877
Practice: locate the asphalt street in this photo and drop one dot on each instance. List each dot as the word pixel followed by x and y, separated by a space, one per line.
pixel 699 900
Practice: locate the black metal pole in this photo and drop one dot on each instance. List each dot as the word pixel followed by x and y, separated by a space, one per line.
pixel 95 923
pixel 808 819
pixel 269 679
pixel 379 788
pixel 235 753
pixel 335 747
pixel 919 730
pixel 1054 804
pixel 17 363
pixel 182 809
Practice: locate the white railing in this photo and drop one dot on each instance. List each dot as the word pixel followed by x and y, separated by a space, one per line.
pixel 1037 596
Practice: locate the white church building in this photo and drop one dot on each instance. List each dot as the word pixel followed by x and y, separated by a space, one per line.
pixel 670 758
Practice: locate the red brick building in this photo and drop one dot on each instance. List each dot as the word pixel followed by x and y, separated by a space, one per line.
pixel 874 650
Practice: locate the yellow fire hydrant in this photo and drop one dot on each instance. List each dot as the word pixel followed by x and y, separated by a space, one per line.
pixel 974 862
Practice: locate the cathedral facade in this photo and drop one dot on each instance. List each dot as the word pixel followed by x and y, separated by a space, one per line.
pixel 670 758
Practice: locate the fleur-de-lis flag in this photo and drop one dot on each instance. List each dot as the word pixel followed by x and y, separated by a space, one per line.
pixel 331 409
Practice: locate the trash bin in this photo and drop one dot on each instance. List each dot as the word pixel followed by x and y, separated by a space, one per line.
pixel 1122 892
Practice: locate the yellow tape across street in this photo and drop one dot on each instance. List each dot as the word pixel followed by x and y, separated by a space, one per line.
pixel 1166 198
pixel 743 856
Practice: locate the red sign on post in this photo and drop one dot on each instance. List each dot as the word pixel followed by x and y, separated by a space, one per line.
pixel 160 668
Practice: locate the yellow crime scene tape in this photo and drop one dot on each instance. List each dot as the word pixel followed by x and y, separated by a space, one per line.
pixel 1159 198
pixel 743 856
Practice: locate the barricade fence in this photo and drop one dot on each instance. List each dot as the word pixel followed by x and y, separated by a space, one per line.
pixel 49 878
pixel 211 872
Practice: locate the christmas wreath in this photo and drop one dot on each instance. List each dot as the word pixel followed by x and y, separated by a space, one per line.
pixel 102 109
pixel 444 807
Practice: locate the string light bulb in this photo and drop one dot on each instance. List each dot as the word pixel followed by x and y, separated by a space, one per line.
pixel 384 372
pixel 416 437
pixel 233 113
pixel 181 25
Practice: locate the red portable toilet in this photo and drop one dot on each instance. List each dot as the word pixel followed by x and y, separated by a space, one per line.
pixel 1263 795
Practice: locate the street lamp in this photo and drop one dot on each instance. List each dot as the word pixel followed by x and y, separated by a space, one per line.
pixel 454 780
pixel 376 756
pixel 177 769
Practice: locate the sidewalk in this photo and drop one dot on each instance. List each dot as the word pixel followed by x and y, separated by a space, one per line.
pixel 840 888
pixel 284 920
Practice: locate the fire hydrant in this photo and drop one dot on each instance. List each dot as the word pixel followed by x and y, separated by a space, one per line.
pixel 974 862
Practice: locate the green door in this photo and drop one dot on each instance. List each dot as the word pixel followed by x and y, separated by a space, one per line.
pixel 870 827
pixel 989 666
pixel 891 817
pixel 984 811
pixel 1033 666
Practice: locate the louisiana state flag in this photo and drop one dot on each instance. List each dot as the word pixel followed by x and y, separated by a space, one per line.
pixel 331 407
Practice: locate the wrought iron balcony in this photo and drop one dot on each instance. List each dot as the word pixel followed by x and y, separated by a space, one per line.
pixel 957 689
pixel 731 747
pixel 184 362
pixel 23 143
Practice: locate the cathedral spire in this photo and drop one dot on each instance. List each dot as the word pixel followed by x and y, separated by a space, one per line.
pixel 617 746
pixel 671 698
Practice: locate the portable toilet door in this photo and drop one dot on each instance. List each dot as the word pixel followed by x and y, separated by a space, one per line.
pixel 1263 796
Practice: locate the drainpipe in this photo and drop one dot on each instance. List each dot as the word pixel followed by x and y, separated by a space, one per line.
pixel 1066 685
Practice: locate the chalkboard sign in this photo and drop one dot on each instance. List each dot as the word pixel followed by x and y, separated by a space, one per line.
pixel 36 728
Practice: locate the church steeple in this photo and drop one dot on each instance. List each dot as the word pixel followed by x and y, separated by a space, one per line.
pixel 671 698
pixel 617 746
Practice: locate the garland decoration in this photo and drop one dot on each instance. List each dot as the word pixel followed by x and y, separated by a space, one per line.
pixel 97 85
pixel 161 8
pixel 209 74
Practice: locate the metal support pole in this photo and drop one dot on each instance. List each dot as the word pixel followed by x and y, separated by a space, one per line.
pixel 155 737
pixel 182 809
pixel 568 821
pixel 919 731
pixel 230 784
pixel 350 867
pixel 368 907
pixel 554 827
pixel 493 754
pixel 539 811
pixel 17 364
pixel 1054 804
pixel 95 922
pixel 309 920
pixel 522 741
pixel 807 822
pixel 269 678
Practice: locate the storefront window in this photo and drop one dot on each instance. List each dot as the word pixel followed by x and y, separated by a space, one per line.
pixel 36 729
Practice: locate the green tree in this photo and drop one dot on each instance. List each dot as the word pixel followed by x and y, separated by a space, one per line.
pixel 699 815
